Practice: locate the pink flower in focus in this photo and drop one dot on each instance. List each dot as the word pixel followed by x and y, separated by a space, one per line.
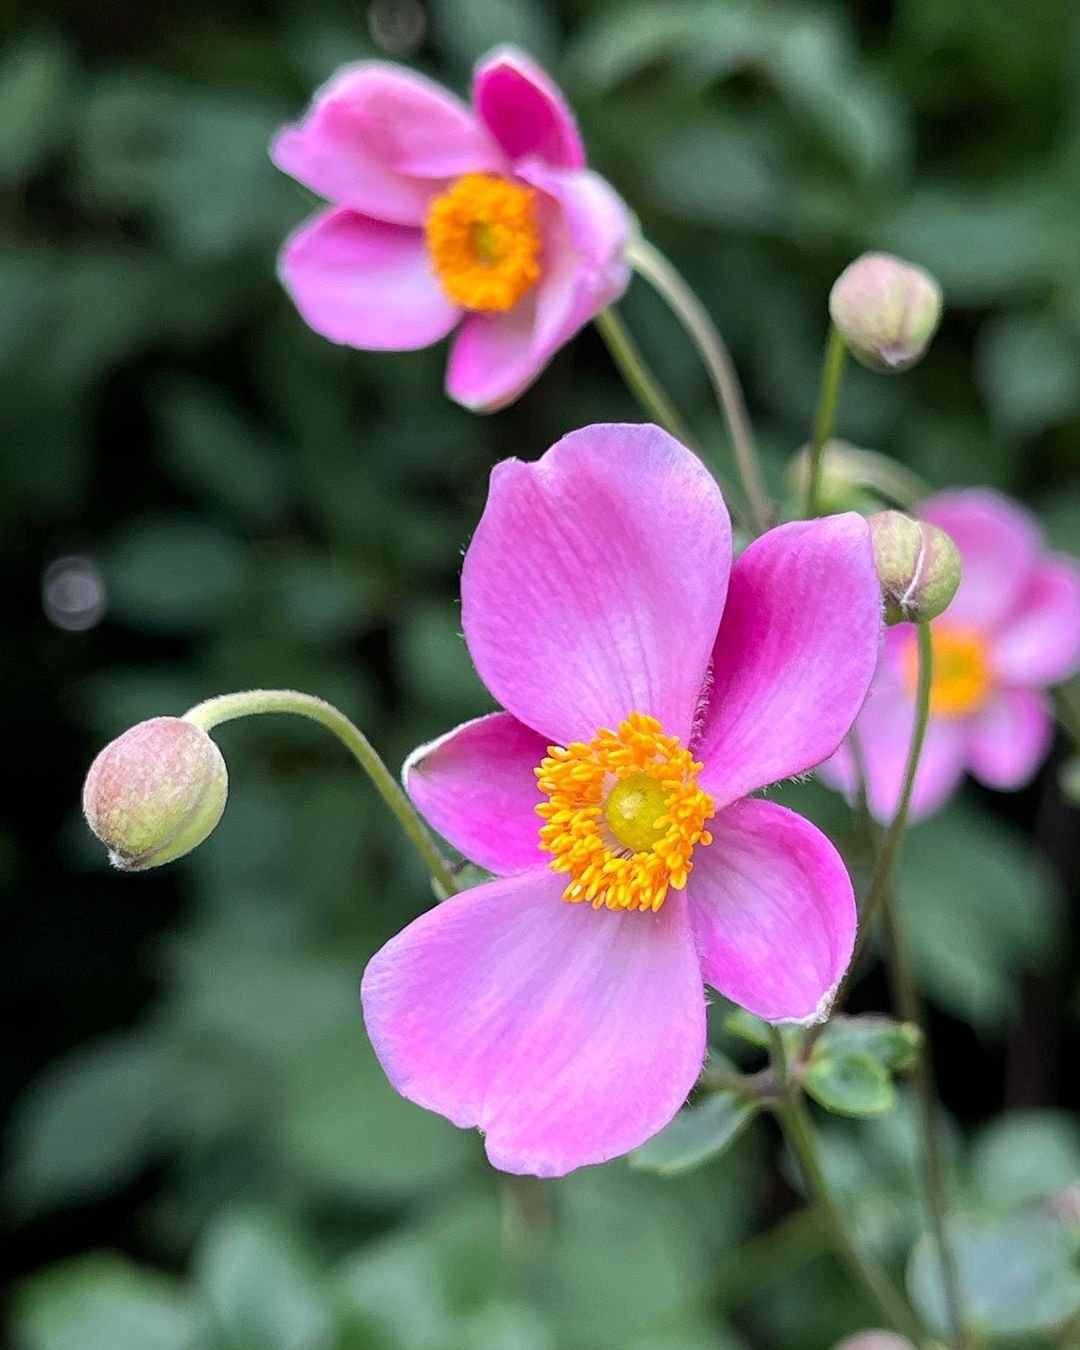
pixel 1012 630
pixel 650 686
pixel 444 216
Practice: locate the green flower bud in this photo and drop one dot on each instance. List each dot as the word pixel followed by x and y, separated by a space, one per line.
pixel 155 793
pixel 875 1340
pixel 886 311
pixel 918 565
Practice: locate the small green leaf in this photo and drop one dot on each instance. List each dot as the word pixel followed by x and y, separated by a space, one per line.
pixel 696 1135
pixel 1017 1276
pixel 893 1044
pixel 747 1027
pixel 851 1083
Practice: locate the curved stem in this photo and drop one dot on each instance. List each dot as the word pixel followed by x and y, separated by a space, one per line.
pixel 825 418
pixel 651 264
pixel 864 1269
pixel 229 707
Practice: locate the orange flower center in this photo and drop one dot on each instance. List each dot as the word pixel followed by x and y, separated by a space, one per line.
pixel 960 681
pixel 483 242
pixel 624 815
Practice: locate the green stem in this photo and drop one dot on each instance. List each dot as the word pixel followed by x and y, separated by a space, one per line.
pixel 229 707
pixel 802 1140
pixel 931 1154
pixel 651 264
pixel 825 418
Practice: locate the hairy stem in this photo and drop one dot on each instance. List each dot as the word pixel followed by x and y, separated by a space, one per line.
pixel 229 707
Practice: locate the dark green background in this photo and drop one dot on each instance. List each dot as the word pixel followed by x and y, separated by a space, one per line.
pixel 199 1134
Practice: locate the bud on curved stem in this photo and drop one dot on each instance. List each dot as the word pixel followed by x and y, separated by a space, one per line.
pixel 886 310
pixel 918 565
pixel 155 793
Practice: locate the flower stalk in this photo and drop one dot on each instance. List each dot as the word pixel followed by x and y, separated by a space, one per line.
pixel 825 418
pixel 651 264
pixel 229 707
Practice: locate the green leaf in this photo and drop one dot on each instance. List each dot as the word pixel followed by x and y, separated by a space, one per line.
pixel 1017 1276
pixel 894 1045
pixel 850 1082
pixel 697 1134
pixel 1029 372
pixel 748 1028
pixel 35 94
pixel 260 1287
pixel 103 1302
pixel 1069 779
pixel 1024 1157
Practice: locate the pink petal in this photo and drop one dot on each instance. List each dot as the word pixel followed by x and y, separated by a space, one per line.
pixel 1010 738
pixel 998 542
pixel 525 111
pixel 477 787
pixel 773 912
pixel 884 729
pixel 365 283
pixel 595 581
pixel 383 140
pixel 569 1035
pixel 794 656
pixel 585 228
pixel 1038 644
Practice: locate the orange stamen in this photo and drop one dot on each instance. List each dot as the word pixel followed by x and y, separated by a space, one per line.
pixel 960 681
pixel 483 242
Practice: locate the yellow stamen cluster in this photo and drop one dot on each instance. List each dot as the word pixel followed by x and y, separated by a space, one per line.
pixel 483 241
pixel 960 682
pixel 622 841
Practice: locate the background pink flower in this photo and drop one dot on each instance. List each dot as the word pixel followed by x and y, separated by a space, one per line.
pixel 1012 630
pixel 598 592
pixel 445 216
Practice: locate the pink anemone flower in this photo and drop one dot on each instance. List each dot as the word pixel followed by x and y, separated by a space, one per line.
pixel 649 687
pixel 483 219
pixel 1012 630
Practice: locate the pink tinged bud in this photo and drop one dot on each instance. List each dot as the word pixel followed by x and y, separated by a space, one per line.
pixel 875 1340
pixel 918 565
pixel 886 311
pixel 155 793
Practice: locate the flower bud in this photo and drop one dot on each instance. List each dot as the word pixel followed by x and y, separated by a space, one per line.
pixel 886 311
pixel 155 793
pixel 875 1340
pixel 918 565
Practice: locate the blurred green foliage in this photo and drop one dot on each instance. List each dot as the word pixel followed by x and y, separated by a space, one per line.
pixel 205 1155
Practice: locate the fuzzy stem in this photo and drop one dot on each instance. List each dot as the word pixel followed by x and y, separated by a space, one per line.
pixel 651 264
pixel 825 418
pixel 229 707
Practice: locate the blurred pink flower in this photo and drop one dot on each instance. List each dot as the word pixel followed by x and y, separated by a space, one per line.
pixel 649 687
pixel 1012 630
pixel 444 216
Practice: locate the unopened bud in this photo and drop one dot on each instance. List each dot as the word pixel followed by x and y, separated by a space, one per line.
pixel 155 793
pixel 918 565
pixel 875 1340
pixel 886 311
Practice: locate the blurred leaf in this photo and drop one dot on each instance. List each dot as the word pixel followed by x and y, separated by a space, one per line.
pixel 748 1028
pixel 696 1134
pixel 468 29
pixel 1017 1275
pixel 979 907
pixel 1029 371
pixel 260 1286
pixel 1024 1157
pixel 90 1122
pixel 35 96
pixel 103 1302
pixel 892 1044
pixel 1069 778
pixel 173 573
pixel 850 1082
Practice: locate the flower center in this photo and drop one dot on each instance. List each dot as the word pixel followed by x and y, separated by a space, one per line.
pixel 624 814
pixel 960 682
pixel 483 241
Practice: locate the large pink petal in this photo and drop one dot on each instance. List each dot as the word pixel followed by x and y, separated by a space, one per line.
pixel 1009 738
pixel 773 912
pixel 884 730
pixel 1038 644
pixel 524 110
pixel 595 582
pixel 998 542
pixel 365 283
pixel 383 140
pixel 477 787
pixel 568 1035
pixel 585 226
pixel 794 656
